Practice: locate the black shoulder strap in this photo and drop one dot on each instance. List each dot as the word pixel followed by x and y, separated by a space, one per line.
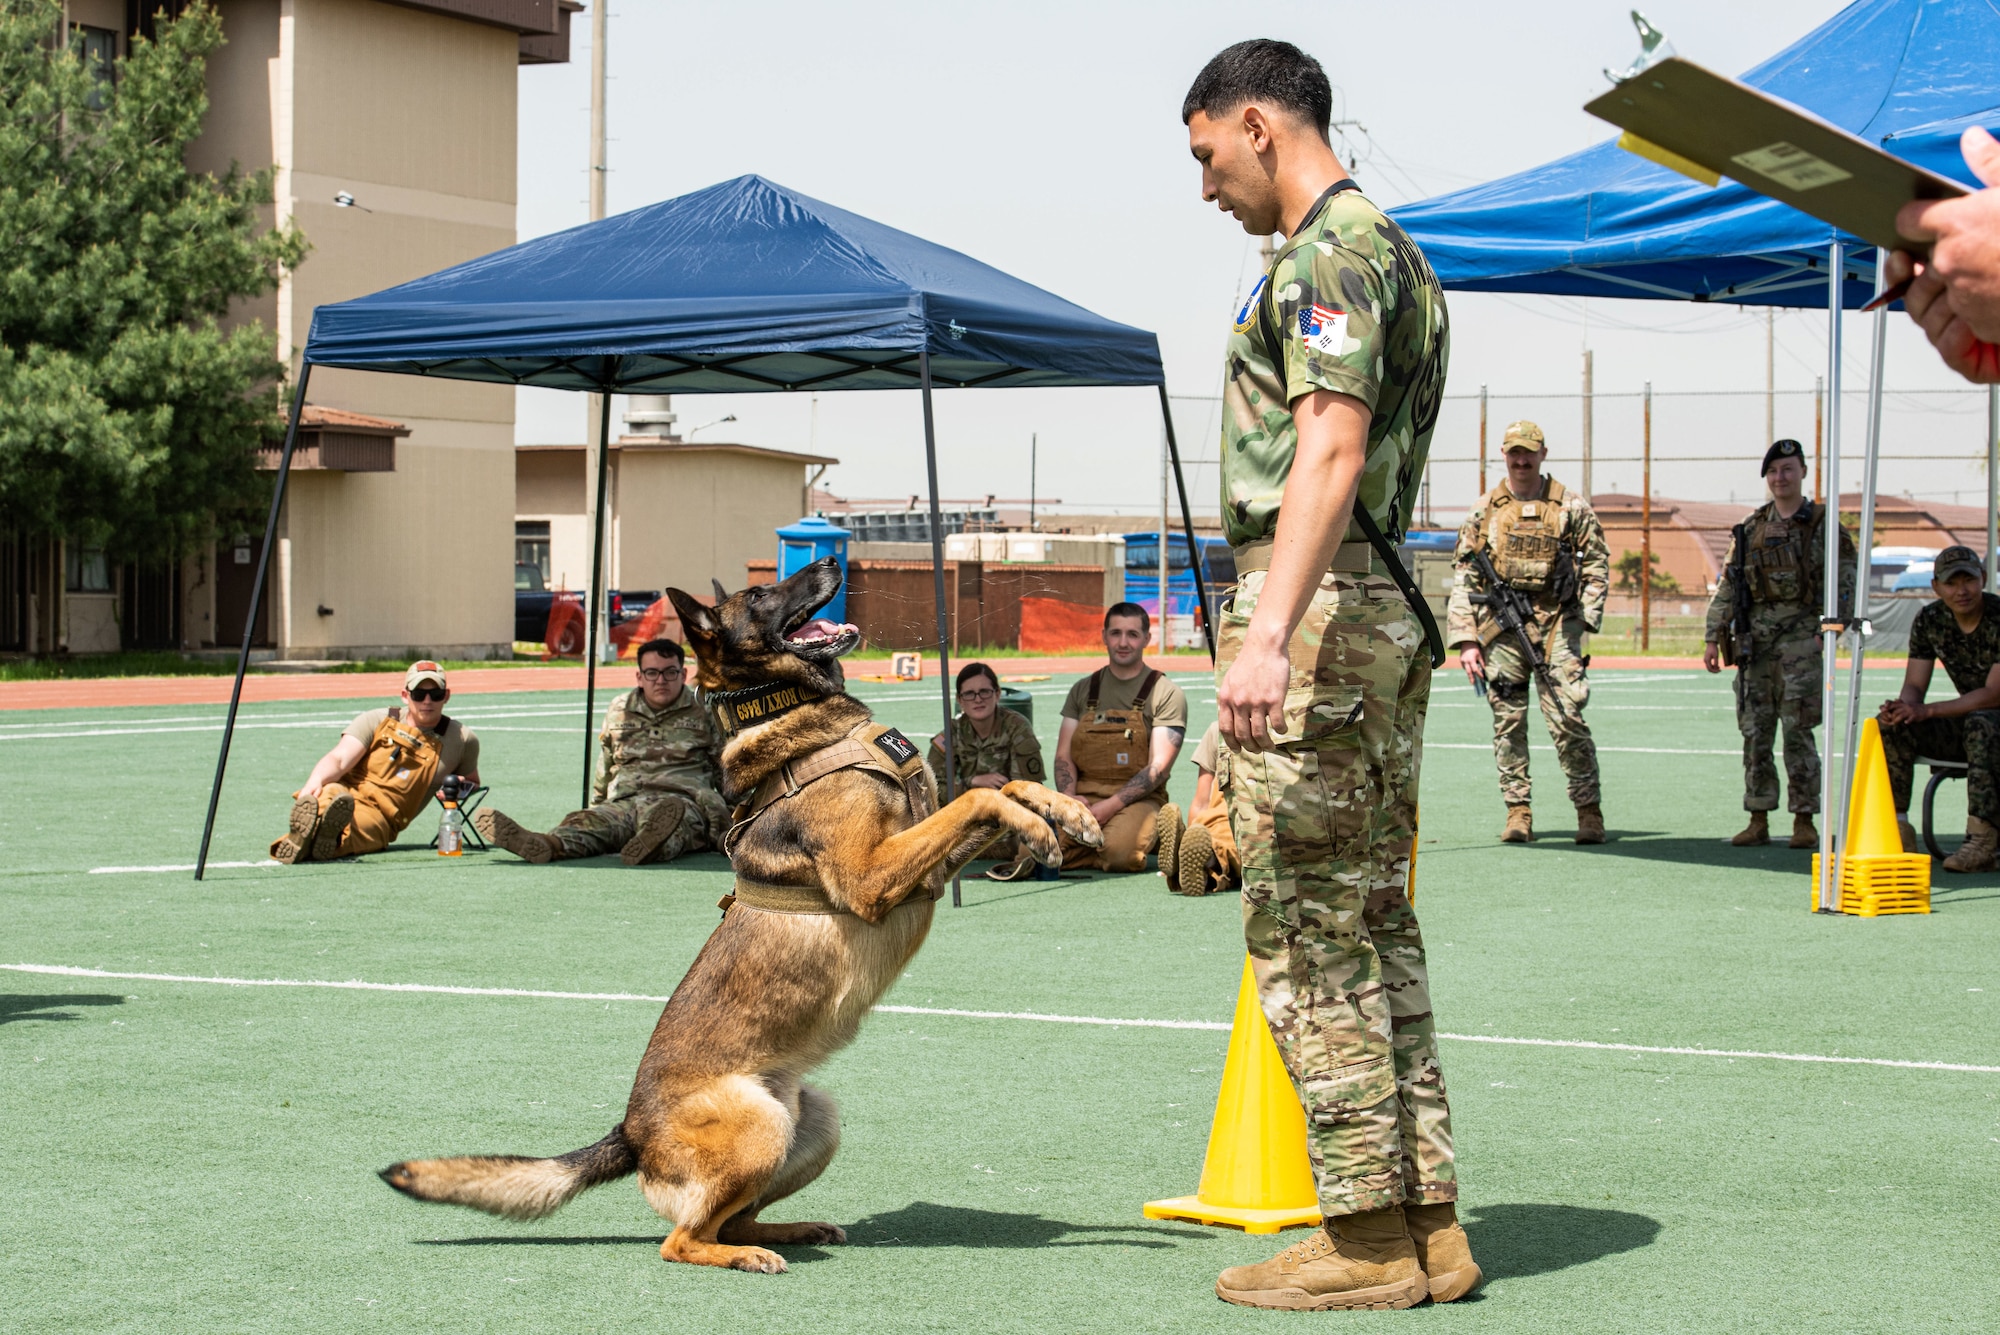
pixel 1144 698
pixel 1267 326
pixel 1096 680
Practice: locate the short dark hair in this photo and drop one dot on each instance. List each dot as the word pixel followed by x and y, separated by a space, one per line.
pixel 664 648
pixel 971 670
pixel 1128 610
pixel 1262 70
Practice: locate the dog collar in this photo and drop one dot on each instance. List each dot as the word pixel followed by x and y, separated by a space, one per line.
pixel 737 710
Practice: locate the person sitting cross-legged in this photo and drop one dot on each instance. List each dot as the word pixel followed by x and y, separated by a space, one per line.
pixel 1963 629
pixel 657 793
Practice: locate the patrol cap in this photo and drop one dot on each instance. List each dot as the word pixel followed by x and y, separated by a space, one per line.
pixel 1958 560
pixel 421 671
pixel 1782 449
pixel 1522 435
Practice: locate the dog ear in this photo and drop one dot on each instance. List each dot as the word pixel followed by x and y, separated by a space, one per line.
pixel 697 622
pixel 720 592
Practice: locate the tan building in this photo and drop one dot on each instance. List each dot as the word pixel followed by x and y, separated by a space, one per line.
pixel 408 111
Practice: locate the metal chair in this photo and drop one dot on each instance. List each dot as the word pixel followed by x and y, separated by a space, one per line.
pixel 470 803
pixel 1940 771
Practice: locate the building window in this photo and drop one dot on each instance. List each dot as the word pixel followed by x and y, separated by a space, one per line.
pixel 87 570
pixel 99 48
pixel 531 547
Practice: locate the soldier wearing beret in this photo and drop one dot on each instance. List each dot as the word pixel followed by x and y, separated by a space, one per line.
pixel 1764 620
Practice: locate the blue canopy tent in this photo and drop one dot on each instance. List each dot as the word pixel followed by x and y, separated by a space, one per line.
pixel 743 287
pixel 1908 74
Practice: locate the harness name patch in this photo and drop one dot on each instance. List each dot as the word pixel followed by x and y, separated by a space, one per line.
pixel 896 746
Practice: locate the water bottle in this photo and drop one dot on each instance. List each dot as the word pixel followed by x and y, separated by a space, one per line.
pixel 451 832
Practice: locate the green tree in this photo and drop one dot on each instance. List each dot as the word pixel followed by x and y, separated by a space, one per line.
pixel 129 416
pixel 1627 571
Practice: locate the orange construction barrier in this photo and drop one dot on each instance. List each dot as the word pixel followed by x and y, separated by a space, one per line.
pixel 1052 626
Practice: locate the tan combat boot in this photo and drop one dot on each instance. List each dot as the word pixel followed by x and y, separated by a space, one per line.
pixel 1198 866
pixel 1443 1250
pixel 1167 843
pixel 1756 833
pixel 1982 841
pixel 333 823
pixel 1520 825
pixel 497 829
pixel 1353 1261
pixel 1803 833
pixel 656 829
pixel 1590 824
pixel 297 844
pixel 1912 843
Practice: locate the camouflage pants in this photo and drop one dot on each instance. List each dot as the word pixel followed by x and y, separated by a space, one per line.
pixel 609 826
pixel 1324 825
pixel 1973 738
pixel 1508 682
pixel 1780 685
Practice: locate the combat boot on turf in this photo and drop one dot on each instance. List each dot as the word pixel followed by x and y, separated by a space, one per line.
pixel 1167 830
pixel 1520 825
pixel 1803 833
pixel 333 823
pixel 1198 864
pixel 1982 841
pixel 1353 1261
pixel 297 844
pixel 1757 833
pixel 656 829
pixel 498 830
pixel 1590 824
pixel 1443 1250
pixel 1911 842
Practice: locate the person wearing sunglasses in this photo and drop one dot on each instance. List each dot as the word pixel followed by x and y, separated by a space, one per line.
pixel 990 746
pixel 381 773
pixel 657 792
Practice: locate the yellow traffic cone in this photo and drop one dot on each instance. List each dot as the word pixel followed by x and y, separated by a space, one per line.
pixel 1256 1176
pixel 1875 875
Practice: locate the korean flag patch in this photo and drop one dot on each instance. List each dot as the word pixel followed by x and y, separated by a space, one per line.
pixel 1322 328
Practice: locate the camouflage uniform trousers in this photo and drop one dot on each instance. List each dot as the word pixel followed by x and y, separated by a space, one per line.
pixel 609 826
pixel 1324 825
pixel 1508 682
pixel 1780 685
pixel 1972 738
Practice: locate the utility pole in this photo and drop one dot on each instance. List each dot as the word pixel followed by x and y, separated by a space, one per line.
pixel 600 601
pixel 1819 426
pixel 1589 415
pixel 1482 440
pixel 1034 447
pixel 1770 376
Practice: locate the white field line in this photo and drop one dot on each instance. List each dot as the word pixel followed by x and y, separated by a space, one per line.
pixel 1628 750
pixel 181 866
pixel 356 985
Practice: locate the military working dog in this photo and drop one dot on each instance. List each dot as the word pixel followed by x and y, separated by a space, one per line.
pixel 839 855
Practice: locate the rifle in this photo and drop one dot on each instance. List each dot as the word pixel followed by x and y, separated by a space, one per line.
pixel 1735 642
pixel 1514 611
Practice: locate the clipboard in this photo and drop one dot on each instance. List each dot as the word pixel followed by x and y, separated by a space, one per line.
pixel 1704 125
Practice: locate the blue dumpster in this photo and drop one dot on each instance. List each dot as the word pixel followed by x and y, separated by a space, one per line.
pixel 801 544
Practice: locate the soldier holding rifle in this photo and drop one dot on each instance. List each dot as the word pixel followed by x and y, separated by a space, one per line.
pixel 1764 622
pixel 1533 574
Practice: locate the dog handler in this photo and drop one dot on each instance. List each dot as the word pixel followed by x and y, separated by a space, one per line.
pixel 1333 375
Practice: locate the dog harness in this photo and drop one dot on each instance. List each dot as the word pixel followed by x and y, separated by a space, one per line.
pixel 871 746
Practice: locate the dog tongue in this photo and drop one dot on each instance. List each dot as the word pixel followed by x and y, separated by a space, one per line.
pixel 819 629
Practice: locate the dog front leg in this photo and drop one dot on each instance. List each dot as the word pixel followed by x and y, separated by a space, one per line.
pixel 873 881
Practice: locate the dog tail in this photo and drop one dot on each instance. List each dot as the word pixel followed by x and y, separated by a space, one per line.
pixel 515 1186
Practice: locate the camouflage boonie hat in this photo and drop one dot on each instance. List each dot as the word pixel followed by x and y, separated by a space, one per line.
pixel 1782 449
pixel 1956 561
pixel 1522 435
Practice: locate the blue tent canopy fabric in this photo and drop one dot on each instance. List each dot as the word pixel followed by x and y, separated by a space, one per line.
pixel 743 287
pixel 1908 74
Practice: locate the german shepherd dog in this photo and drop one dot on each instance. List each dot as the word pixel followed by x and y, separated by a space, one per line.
pixel 720 1124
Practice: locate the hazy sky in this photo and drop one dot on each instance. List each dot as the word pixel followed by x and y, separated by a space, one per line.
pixel 1045 139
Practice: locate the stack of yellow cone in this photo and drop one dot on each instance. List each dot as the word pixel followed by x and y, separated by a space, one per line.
pixel 1875 875
pixel 1256 1176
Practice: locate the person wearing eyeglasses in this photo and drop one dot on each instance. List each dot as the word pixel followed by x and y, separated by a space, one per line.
pixel 383 771
pixel 991 746
pixel 657 792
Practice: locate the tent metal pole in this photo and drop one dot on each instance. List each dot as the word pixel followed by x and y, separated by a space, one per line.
pixel 1992 494
pixel 250 618
pixel 937 588
pixel 1857 636
pixel 1828 878
pixel 597 595
pixel 1187 524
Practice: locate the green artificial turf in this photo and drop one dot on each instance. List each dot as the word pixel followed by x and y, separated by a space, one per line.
pixel 200 1157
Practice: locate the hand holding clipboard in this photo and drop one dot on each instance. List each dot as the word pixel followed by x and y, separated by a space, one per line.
pixel 1955 294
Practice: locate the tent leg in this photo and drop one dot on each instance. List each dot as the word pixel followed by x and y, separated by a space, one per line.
pixel 1827 884
pixel 1992 492
pixel 1857 639
pixel 937 589
pixel 1187 523
pixel 596 596
pixel 250 619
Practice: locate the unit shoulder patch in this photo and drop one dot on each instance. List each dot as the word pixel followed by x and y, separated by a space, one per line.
pixel 896 746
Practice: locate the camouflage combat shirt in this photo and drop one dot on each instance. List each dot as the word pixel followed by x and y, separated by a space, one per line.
pixel 1012 750
pixel 1358 311
pixel 643 750
pixel 1786 601
pixel 1966 658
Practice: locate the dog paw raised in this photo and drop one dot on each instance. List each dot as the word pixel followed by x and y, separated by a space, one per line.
pixel 1072 817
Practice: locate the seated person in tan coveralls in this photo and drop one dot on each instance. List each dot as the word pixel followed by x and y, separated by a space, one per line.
pixel 384 771
pixel 1122 727
pixel 1200 857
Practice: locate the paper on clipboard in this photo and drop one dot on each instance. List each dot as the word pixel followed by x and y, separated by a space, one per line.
pixel 1726 128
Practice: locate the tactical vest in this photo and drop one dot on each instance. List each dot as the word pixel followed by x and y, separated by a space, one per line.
pixel 871 746
pixel 1777 558
pixel 1524 538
